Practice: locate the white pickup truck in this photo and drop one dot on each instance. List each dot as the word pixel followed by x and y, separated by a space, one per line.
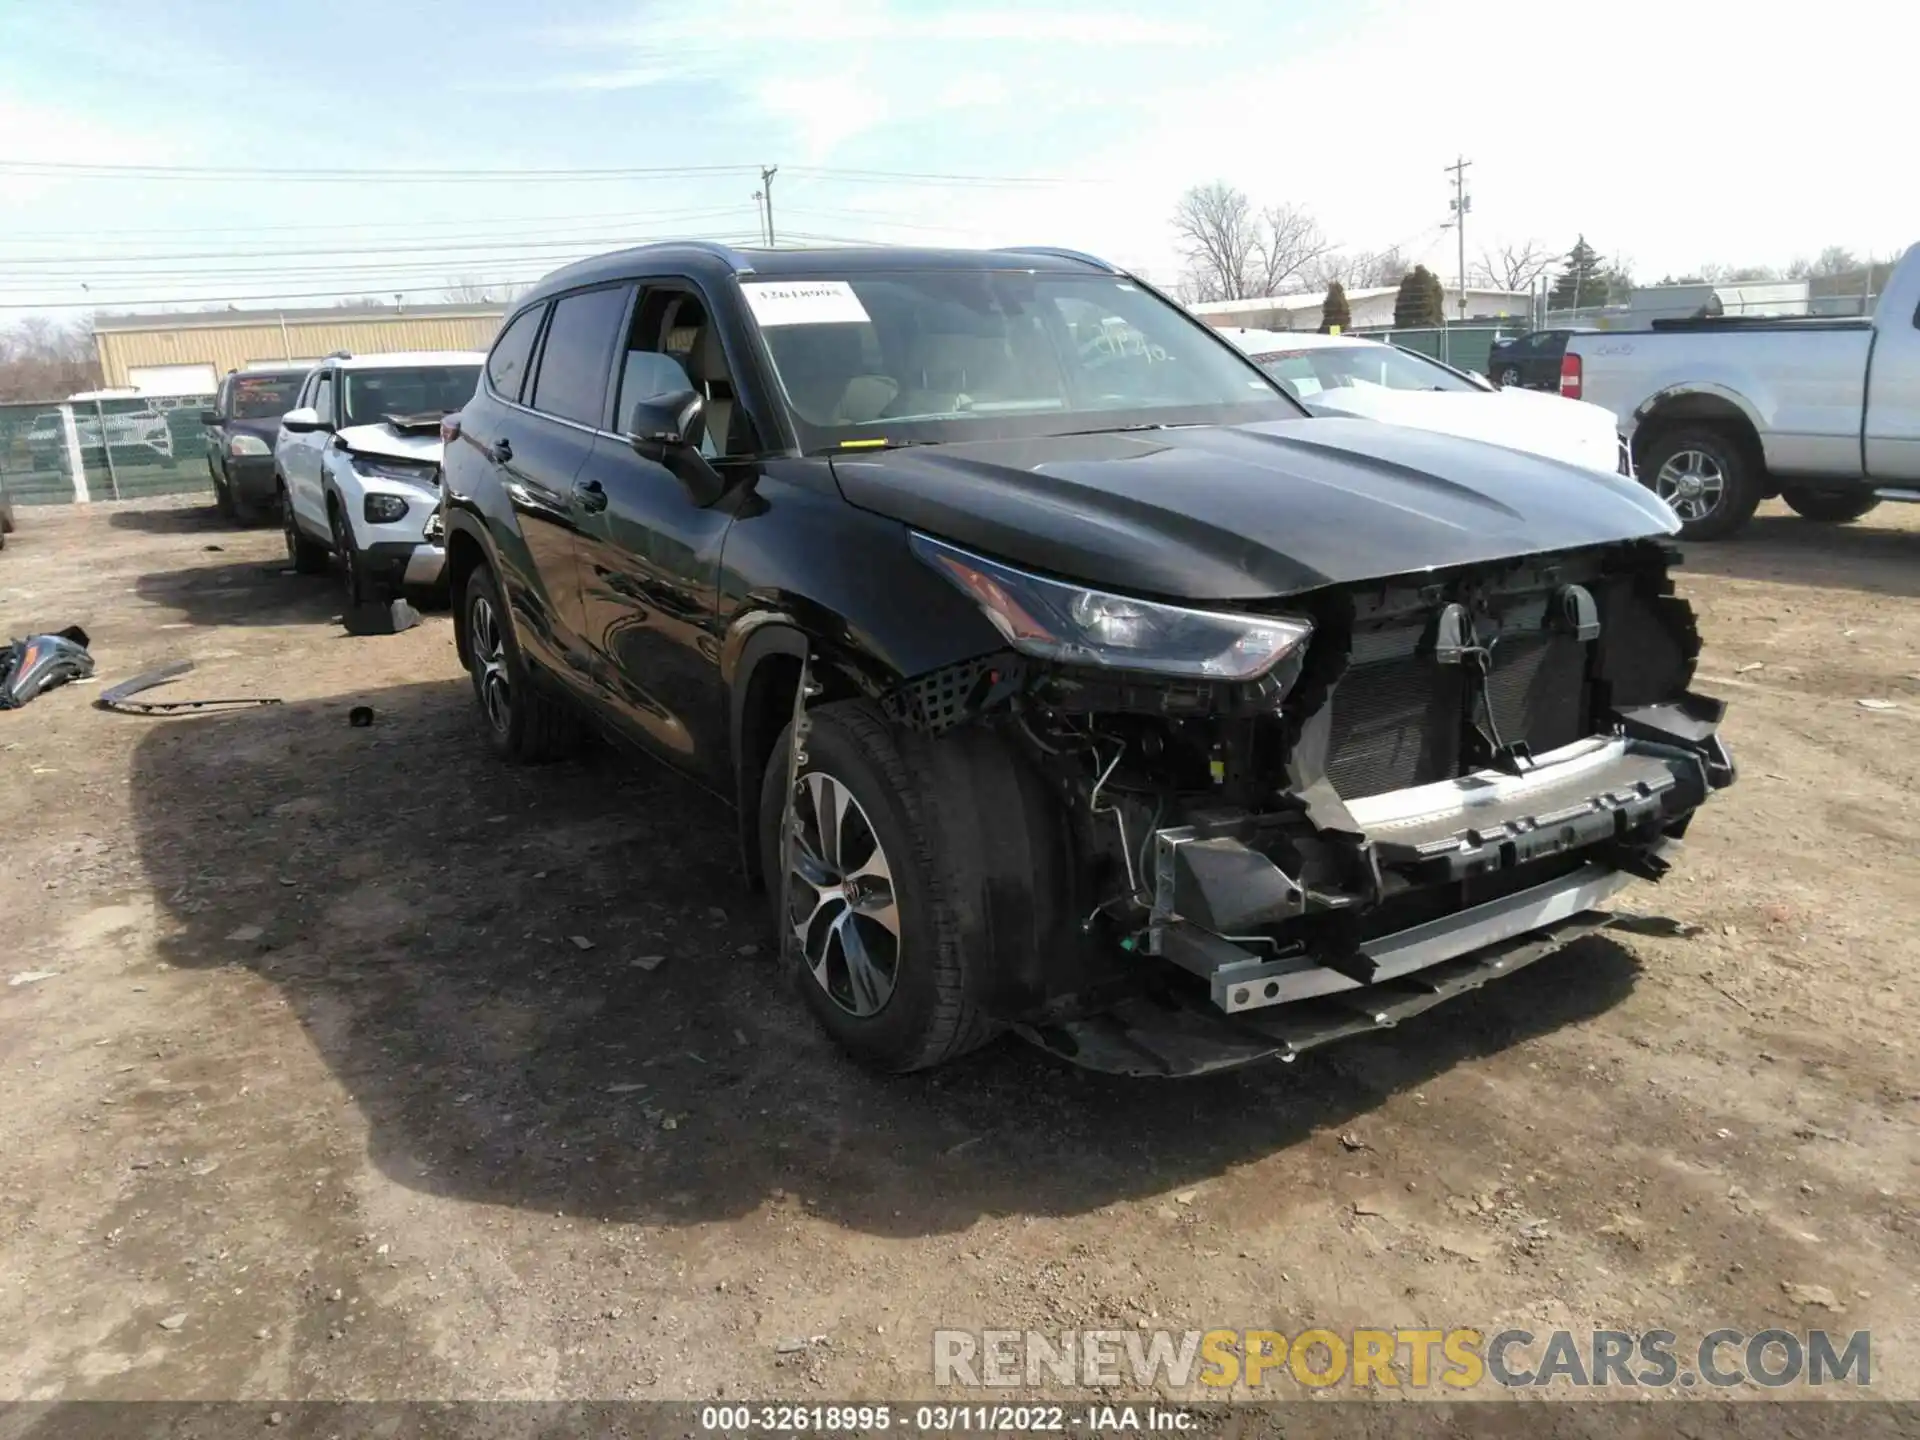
pixel 1723 413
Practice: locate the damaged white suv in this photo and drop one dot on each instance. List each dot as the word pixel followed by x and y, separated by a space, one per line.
pixel 357 463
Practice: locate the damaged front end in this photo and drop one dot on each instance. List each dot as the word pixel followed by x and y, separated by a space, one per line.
pixel 1376 797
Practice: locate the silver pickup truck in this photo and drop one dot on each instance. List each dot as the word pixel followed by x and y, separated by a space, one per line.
pixel 1723 413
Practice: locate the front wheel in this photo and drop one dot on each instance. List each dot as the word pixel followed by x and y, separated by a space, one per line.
pixel 1709 480
pixel 523 724
pixel 353 565
pixel 1828 506
pixel 306 556
pixel 1510 378
pixel 868 891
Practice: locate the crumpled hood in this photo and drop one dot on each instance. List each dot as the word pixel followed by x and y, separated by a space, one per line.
pixel 383 439
pixel 1542 424
pixel 1243 512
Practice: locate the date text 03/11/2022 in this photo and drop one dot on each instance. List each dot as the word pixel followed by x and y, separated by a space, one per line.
pixel 943 1419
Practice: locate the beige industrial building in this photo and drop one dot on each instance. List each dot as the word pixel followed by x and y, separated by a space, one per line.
pixel 186 354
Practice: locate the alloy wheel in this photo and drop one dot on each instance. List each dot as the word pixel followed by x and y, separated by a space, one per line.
pixel 289 531
pixel 487 642
pixel 1692 482
pixel 841 905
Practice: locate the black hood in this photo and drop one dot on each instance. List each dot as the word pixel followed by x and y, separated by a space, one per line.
pixel 1241 512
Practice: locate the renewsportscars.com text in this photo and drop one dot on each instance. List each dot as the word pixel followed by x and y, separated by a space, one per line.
pixel 1458 1359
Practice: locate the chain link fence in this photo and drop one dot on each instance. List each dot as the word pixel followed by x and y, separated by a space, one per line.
pixel 112 448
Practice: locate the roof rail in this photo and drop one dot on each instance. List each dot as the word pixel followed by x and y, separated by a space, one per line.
pixel 340 355
pixel 1060 252
pixel 741 265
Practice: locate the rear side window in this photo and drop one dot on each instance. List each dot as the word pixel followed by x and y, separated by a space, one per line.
pixel 513 353
pixel 323 395
pixel 577 359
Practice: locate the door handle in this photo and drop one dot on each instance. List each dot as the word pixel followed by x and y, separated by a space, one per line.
pixel 592 496
pixel 501 450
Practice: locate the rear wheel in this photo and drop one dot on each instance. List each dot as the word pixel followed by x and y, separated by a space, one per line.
pixel 1831 507
pixel 1510 377
pixel 867 893
pixel 222 496
pixel 307 557
pixel 1710 481
pixel 523 723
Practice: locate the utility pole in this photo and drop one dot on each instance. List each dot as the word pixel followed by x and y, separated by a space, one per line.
pixel 760 212
pixel 1460 205
pixel 767 172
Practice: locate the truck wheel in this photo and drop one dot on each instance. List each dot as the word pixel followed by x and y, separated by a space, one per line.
pixel 874 890
pixel 524 724
pixel 1835 508
pixel 1708 479
pixel 306 557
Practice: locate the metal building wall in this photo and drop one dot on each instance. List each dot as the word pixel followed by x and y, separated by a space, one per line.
pixel 229 347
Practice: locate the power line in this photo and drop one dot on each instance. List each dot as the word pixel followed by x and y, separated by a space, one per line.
pixel 89 170
pixel 543 223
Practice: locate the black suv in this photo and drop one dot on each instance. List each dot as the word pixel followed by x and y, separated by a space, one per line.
pixel 1530 361
pixel 241 426
pixel 1064 675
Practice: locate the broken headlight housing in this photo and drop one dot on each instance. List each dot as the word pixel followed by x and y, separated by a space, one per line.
pixel 1078 625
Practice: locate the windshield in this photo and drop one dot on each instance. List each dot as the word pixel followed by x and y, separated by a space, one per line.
pixel 1305 373
pixel 262 397
pixel 874 359
pixel 414 390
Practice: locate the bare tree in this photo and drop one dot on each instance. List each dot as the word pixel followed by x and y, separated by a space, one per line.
pixel 1217 240
pixel 1287 242
pixel 1358 269
pixel 44 360
pixel 1515 267
pixel 469 290
pixel 1835 260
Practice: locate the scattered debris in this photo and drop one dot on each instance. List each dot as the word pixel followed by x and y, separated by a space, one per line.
pixel 30 977
pixel 39 663
pixel 360 717
pixel 379 617
pixel 245 934
pixel 213 547
pixel 116 697
pixel 174 1322
pixel 792 1345
pixel 1351 1141
pixel 1810 1295
pixel 625 1087
pixel 580 942
pixel 1872 704
pixel 1186 1197
pixel 1750 666
pixel 648 962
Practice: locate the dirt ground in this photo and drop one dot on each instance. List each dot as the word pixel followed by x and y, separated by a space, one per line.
pixel 321 1078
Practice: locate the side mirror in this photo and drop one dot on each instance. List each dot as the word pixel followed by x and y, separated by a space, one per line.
pixel 658 429
pixel 303 421
pixel 209 417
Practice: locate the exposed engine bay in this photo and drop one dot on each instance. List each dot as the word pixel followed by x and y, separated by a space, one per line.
pixel 1441 784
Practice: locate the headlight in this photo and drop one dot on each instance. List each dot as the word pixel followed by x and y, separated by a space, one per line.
pixel 247 445
pixel 436 529
pixel 410 471
pixel 384 509
pixel 1053 620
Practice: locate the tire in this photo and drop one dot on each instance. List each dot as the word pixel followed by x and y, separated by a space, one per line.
pixel 1827 506
pixel 360 587
pixel 1725 476
pixel 1510 378
pixel 222 496
pixel 523 723
pixel 307 557
pixel 925 1016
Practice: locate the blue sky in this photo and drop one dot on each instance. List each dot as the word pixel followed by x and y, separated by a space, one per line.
pixel 1668 133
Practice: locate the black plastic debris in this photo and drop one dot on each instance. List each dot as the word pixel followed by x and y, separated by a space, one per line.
pixel 37 664
pixel 118 699
pixel 360 716
pixel 380 617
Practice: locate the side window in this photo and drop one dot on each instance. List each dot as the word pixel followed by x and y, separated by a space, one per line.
pixel 323 396
pixel 673 344
pixel 513 353
pixel 578 356
pixel 220 398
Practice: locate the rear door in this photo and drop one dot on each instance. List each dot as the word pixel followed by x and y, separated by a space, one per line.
pixel 301 459
pixel 650 558
pixel 537 443
pixel 1892 431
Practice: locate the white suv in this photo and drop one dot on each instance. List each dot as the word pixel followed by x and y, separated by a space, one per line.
pixel 357 462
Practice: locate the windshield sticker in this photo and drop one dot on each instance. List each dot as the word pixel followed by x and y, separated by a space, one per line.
pixel 860 444
pixel 804 302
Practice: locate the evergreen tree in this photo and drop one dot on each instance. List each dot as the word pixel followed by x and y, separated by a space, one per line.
pixel 1420 301
pixel 1335 313
pixel 1582 280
